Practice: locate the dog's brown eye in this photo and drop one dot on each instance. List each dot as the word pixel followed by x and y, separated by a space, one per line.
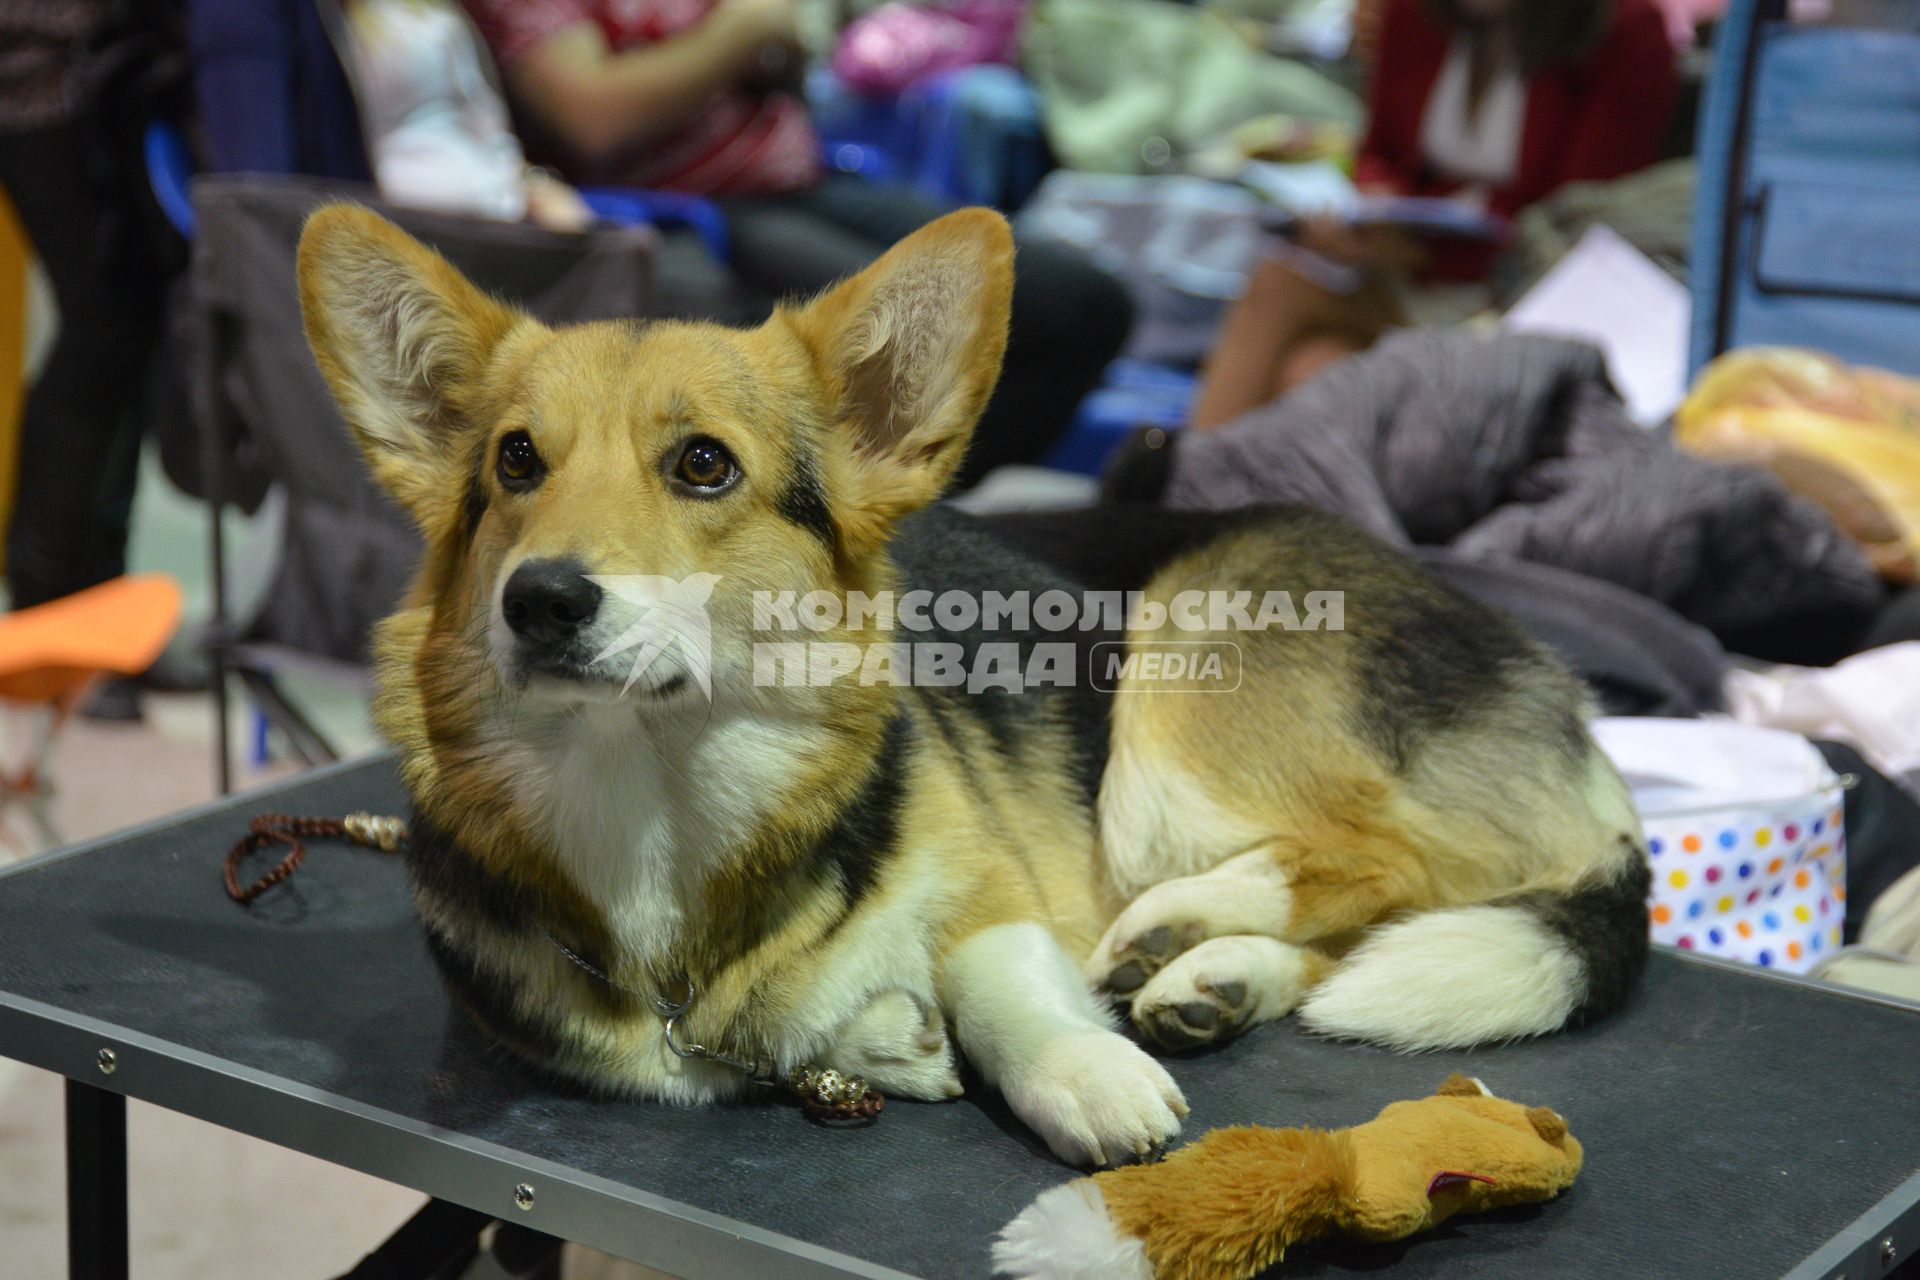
pixel 706 464
pixel 520 465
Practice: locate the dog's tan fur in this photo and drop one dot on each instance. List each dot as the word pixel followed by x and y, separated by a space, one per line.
pixel 1255 838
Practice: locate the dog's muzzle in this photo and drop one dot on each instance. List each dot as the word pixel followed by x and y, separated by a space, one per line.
pixel 548 604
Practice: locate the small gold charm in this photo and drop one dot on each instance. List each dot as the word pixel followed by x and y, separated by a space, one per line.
pixel 825 1087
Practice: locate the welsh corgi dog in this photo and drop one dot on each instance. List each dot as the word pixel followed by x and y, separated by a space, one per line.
pixel 1395 824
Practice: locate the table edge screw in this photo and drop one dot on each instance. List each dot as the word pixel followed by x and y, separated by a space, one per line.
pixel 108 1061
pixel 523 1196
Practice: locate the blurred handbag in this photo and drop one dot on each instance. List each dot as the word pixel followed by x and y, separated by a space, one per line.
pixel 1845 437
pixel 896 45
pixel 1183 246
pixel 1133 86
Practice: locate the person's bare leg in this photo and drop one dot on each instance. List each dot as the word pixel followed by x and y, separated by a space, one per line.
pixel 1284 317
pixel 1309 356
pixel 1240 368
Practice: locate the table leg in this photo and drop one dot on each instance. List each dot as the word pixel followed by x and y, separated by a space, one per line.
pixel 439 1241
pixel 96 1183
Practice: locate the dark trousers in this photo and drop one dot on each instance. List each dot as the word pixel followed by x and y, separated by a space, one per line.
pixel 1069 317
pixel 79 446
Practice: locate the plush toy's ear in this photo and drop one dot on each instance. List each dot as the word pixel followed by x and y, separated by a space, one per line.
pixel 1548 1123
pixel 910 351
pixel 1459 1086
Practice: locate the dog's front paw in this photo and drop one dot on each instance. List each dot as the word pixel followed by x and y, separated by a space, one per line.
pixel 899 1046
pixel 1096 1098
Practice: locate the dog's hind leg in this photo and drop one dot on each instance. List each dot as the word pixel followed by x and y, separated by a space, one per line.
pixel 1223 986
pixel 1294 889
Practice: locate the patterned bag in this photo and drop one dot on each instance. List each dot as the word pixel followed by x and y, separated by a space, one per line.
pixel 1746 833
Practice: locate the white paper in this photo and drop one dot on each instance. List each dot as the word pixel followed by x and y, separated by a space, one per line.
pixel 1307 187
pixel 1611 294
pixel 1685 764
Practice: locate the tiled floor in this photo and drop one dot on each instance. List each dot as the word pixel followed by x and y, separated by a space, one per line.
pixel 207 1204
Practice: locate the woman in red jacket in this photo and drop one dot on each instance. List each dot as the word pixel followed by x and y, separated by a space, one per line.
pixel 1495 102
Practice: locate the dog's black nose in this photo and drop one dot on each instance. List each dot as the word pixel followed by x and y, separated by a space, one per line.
pixel 548 600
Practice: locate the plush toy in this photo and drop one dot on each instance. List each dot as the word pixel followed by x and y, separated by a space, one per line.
pixel 1231 1204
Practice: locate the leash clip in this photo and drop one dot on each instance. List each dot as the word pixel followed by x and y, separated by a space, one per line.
pixel 758 1072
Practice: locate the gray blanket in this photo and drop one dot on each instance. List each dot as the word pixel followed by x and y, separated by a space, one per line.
pixel 1517 447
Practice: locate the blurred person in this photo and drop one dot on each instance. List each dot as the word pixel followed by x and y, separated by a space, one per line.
pixel 271 86
pixel 696 96
pixel 79 441
pixel 271 94
pixel 398 90
pixel 436 124
pixel 1498 103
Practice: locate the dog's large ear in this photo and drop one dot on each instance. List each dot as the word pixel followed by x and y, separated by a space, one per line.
pixel 403 340
pixel 910 349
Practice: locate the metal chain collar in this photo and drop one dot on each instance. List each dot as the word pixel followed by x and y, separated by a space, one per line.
pixel 823 1091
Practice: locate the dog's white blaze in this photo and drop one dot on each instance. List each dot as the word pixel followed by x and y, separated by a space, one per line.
pixel 1449 979
pixel 1068 1234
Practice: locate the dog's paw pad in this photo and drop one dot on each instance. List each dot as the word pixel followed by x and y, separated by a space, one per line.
pixel 1198 1013
pixel 1216 990
pixel 1124 963
pixel 1206 1016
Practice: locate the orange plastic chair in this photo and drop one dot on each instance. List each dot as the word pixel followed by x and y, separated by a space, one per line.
pixel 50 656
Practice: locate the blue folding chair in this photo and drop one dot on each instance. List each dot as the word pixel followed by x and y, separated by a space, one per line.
pixel 169 166
pixel 1805 224
pixel 1133 394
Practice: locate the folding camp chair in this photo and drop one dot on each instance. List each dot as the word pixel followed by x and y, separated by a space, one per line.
pixel 50 657
pixel 1809 147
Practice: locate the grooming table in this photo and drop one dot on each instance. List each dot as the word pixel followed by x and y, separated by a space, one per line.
pixel 1736 1124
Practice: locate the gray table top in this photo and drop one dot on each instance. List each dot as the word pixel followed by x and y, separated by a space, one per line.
pixel 1736 1125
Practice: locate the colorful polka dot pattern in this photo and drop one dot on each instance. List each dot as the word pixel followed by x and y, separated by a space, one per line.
pixel 1761 886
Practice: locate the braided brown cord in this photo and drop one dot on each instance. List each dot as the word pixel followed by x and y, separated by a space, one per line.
pixel 268 828
pixel 869 1107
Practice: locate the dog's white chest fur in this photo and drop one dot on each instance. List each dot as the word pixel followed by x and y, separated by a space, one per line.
pixel 640 824
pixel 641 813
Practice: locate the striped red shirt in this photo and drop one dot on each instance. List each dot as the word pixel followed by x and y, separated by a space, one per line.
pixel 742 143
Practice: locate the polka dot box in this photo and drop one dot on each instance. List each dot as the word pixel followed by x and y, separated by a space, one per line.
pixel 1762 883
